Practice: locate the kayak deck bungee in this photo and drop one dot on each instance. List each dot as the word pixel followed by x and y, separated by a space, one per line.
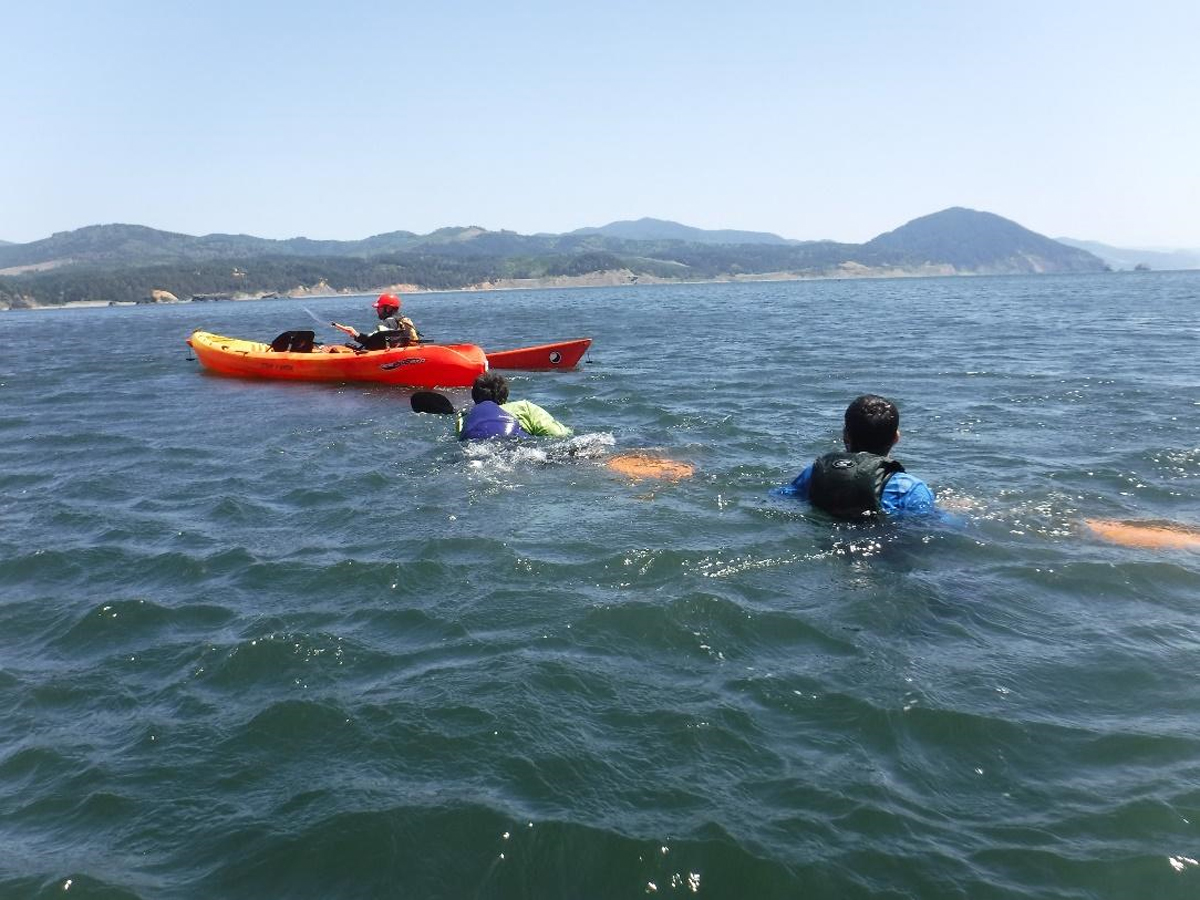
pixel 420 365
pixel 559 355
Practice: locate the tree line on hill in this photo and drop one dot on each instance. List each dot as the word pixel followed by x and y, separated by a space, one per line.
pixel 280 274
pixel 122 263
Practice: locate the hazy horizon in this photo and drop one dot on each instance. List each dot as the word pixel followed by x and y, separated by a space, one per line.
pixel 340 123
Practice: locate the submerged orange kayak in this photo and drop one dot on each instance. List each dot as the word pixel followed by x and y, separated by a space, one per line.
pixel 422 365
pixel 1148 535
pixel 560 355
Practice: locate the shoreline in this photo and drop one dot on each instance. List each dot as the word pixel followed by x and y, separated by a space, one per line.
pixel 613 278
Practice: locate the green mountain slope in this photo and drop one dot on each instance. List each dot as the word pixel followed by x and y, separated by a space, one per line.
pixel 139 245
pixel 128 262
pixel 978 243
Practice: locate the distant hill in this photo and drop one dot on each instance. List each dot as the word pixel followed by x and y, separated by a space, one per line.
pixel 662 230
pixel 139 245
pixel 132 262
pixel 1123 258
pixel 980 243
pixel 964 240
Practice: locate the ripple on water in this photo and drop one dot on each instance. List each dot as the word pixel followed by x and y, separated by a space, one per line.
pixel 75 882
pixel 292 725
pixel 131 620
pixel 274 658
pixel 702 626
pixel 475 851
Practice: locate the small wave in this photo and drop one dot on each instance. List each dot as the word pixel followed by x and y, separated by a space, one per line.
pixel 472 850
pixel 702 626
pixel 117 622
pixel 40 762
pixel 76 883
pixel 278 658
pixel 291 724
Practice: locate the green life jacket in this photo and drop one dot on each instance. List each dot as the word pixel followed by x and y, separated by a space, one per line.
pixel 850 485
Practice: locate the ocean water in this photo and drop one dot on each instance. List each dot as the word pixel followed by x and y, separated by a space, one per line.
pixel 289 640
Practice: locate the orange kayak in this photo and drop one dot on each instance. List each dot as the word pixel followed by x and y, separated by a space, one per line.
pixel 422 365
pixel 561 355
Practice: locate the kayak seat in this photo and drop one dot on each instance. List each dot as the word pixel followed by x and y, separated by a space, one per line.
pixel 380 340
pixel 293 342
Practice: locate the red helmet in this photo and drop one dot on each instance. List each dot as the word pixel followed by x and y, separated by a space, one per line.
pixel 387 301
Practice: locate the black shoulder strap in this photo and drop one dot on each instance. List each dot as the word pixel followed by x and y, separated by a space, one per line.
pixel 887 468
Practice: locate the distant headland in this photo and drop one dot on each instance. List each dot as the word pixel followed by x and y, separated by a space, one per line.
pixel 119 264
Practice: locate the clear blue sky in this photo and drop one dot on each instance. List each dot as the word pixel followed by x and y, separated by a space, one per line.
pixel 812 120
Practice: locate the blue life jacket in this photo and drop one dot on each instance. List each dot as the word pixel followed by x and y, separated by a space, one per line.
pixel 488 420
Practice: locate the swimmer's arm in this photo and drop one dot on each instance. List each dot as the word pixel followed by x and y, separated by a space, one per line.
pixel 797 488
pixel 920 500
pixel 907 496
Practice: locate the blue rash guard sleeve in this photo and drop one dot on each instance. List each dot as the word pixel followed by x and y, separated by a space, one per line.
pixel 797 487
pixel 905 495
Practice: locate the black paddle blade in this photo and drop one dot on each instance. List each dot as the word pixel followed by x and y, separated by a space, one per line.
pixel 431 402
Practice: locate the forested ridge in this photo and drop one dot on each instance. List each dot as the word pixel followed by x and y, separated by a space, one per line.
pixel 129 263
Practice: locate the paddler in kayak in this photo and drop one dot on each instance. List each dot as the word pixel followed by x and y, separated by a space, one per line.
pixel 493 416
pixel 863 481
pixel 399 330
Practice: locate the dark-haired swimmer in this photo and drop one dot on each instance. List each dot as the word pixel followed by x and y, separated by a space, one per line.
pixel 864 480
pixel 493 416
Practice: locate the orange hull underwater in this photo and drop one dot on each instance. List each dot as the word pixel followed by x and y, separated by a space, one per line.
pixel 1148 535
pixel 561 355
pixel 423 365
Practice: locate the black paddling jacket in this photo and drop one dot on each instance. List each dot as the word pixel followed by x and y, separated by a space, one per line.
pixel 850 485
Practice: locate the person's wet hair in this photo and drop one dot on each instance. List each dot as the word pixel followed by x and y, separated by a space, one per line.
pixel 871 424
pixel 490 386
